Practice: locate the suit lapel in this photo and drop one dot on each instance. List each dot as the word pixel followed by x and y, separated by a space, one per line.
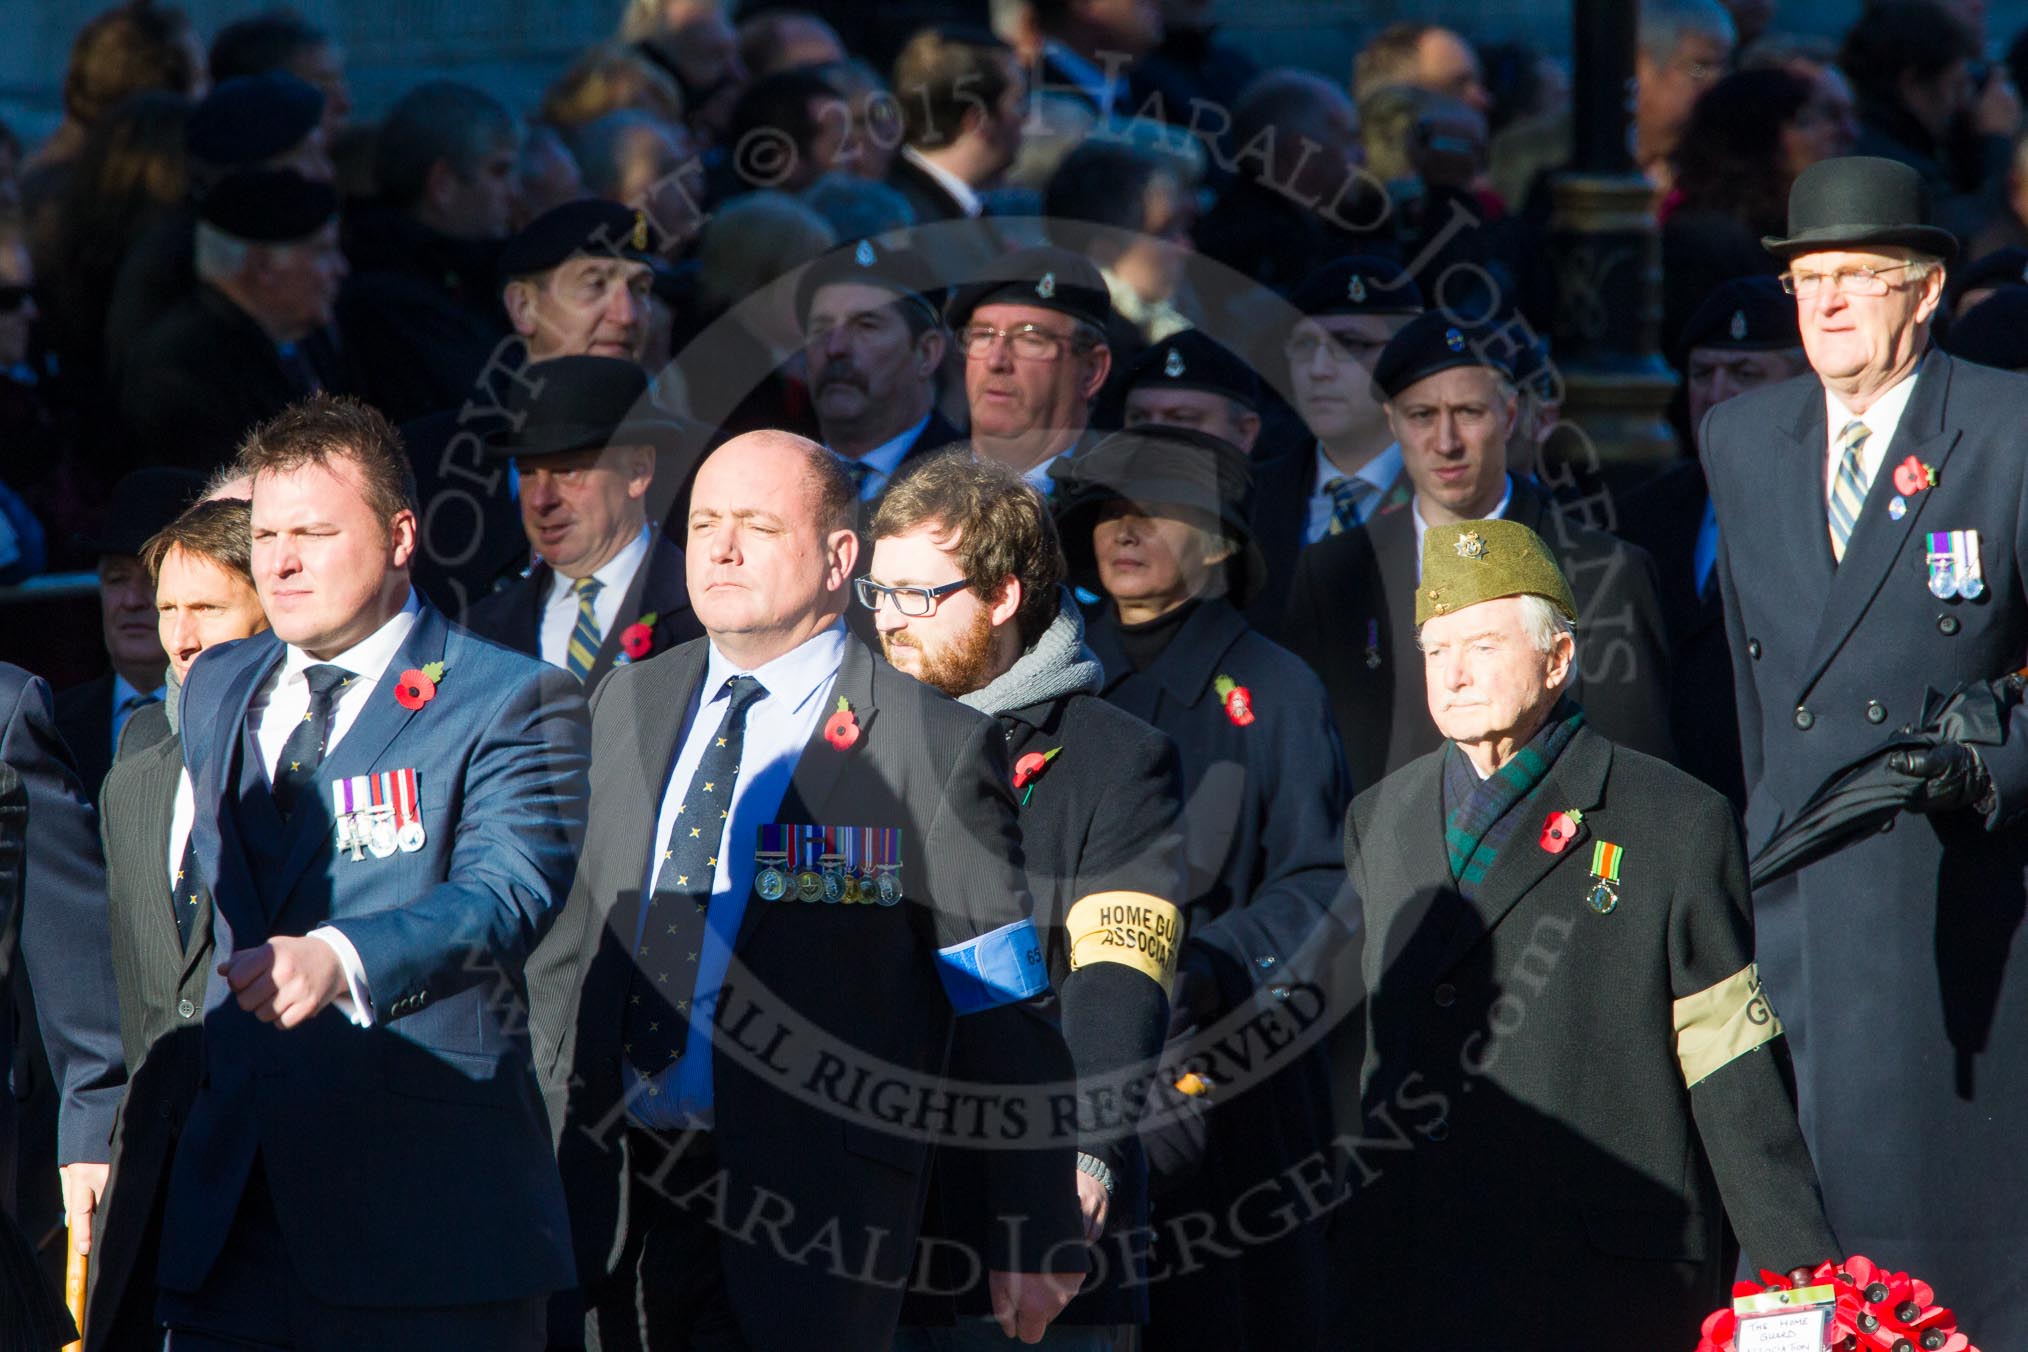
pixel 237 776
pixel 659 588
pixel 1576 780
pixel 651 713
pixel 160 775
pixel 1877 538
pixel 383 718
pixel 525 614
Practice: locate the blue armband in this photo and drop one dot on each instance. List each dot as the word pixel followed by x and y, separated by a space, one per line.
pixel 994 969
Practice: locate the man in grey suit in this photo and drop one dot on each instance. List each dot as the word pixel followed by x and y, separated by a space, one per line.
pixel 201 569
pixel 823 853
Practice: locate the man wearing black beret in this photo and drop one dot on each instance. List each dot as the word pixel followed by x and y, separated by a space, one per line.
pixel 1983 277
pixel 874 342
pixel 576 284
pixel 1743 336
pixel 1033 336
pixel 270 121
pixel 231 356
pixel 1349 308
pixel 607 587
pixel 1193 381
pixel 1447 388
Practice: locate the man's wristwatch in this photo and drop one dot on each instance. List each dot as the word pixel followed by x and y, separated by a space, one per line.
pixel 1097 1168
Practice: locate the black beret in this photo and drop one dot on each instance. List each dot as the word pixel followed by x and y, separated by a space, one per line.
pixel 1994 332
pixel 2000 268
pixel 1358 285
pixel 1434 342
pixel 580 404
pixel 1191 361
pixel 252 118
pixel 1173 466
pixel 1746 314
pixel 589 226
pixel 901 271
pixel 1049 277
pixel 269 206
pixel 141 504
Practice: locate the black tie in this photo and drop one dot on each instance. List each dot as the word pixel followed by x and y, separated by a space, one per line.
pixel 672 933
pixel 188 896
pixel 304 751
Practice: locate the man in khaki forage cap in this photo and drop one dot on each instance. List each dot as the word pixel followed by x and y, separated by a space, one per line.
pixel 1570 1063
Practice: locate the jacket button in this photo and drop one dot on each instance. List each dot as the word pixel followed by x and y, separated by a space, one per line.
pixel 1947 625
pixel 1753 649
pixel 1439 1130
pixel 1805 720
pixel 1876 712
pixel 184 1009
pixel 1445 995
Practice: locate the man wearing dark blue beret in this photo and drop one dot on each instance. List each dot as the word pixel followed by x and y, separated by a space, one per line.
pixel 1448 391
pixel 232 356
pixel 1193 381
pixel 1743 336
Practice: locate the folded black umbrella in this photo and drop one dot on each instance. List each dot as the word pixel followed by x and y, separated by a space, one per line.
pixel 1869 792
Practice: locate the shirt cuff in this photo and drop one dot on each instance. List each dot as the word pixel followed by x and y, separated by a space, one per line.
pixel 357 1003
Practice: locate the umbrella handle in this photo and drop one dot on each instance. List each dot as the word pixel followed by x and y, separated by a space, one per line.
pixel 76 1271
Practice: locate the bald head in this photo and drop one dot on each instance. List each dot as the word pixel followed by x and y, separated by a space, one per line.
pixel 769 544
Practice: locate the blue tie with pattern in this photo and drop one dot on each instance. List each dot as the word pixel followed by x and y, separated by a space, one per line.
pixel 1348 499
pixel 672 934
pixel 1848 488
pixel 582 653
pixel 304 751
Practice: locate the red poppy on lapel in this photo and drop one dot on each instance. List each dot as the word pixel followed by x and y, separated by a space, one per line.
pixel 1236 698
pixel 638 637
pixel 1560 829
pixel 1912 476
pixel 418 686
pixel 841 729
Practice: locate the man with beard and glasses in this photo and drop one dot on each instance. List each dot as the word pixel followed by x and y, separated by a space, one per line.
pixel 966 590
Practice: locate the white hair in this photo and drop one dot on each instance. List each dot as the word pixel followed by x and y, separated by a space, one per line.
pixel 1542 621
pixel 219 256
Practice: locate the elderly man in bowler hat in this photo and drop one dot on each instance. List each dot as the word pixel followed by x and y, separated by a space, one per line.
pixel 1565 1028
pixel 1873 537
pixel 607 586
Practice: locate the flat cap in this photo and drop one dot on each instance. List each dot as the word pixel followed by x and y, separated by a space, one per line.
pixel 587 227
pixel 252 118
pixel 1746 314
pixel 1191 361
pixel 1048 277
pixel 1473 561
pixel 1358 285
pixel 901 271
pixel 269 206
pixel 1434 342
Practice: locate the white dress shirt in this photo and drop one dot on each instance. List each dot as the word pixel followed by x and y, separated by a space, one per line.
pixel 280 704
pixel 1422 527
pixel 1881 420
pixel 883 460
pixel 1381 471
pixel 961 192
pixel 559 610
pixel 778 726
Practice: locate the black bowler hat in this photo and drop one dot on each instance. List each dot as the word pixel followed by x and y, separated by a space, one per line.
pixel 1994 332
pixel 269 206
pixel 901 271
pixel 143 503
pixel 253 118
pixel 1358 285
pixel 1856 201
pixel 588 227
pixel 1746 314
pixel 1172 466
pixel 582 404
pixel 1049 277
pixel 1434 342
pixel 1191 361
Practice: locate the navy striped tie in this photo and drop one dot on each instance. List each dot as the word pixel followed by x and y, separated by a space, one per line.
pixel 1848 487
pixel 585 637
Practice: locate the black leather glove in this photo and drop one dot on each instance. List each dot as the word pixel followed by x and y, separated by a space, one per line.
pixel 1951 776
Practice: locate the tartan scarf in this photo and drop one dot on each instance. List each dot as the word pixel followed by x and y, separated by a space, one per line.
pixel 1480 815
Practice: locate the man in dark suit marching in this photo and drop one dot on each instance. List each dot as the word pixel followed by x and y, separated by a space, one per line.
pixel 822 855
pixel 202 572
pixel 1570 1067
pixel 1873 537
pixel 1449 396
pixel 387 809
pixel 607 587
pixel 967 591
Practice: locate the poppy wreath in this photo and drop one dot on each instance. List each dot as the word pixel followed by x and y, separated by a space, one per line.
pixel 1875 1309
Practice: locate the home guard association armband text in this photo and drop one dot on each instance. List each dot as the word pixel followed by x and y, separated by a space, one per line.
pixel 998 968
pixel 1722 1023
pixel 1131 928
